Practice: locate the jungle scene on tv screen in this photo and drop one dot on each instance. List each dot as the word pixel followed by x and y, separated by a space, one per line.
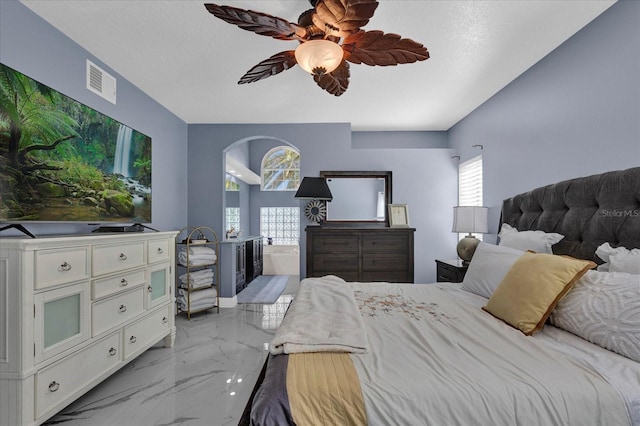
pixel 63 161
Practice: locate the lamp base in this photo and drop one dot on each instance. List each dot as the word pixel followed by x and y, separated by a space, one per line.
pixel 466 247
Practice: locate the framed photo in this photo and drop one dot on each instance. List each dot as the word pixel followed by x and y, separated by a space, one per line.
pixel 398 216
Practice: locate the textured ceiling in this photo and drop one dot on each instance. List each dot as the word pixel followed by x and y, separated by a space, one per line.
pixel 190 62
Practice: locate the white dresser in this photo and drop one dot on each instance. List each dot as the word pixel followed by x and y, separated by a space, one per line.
pixel 75 309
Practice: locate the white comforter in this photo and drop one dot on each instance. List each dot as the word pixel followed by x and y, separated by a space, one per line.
pixel 436 360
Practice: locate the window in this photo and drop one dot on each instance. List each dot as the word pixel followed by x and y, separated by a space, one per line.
pixel 281 169
pixel 470 182
pixel 232 218
pixel 232 213
pixel 281 224
pixel 470 185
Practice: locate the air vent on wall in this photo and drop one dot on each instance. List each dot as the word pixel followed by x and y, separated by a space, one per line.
pixel 100 82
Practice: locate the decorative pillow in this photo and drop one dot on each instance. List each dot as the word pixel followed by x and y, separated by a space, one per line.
pixel 537 241
pixel 532 288
pixel 488 267
pixel 619 259
pixel 604 308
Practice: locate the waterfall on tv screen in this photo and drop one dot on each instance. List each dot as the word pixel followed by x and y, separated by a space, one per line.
pixel 123 151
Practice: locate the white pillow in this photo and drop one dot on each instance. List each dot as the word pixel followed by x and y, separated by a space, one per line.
pixel 488 267
pixel 604 308
pixel 619 259
pixel 537 241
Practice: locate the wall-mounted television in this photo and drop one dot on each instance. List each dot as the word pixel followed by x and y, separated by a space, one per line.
pixel 62 161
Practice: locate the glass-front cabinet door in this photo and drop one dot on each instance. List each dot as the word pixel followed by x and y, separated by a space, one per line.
pixel 158 286
pixel 61 319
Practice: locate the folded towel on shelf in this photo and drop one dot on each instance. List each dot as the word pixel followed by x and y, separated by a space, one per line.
pixel 196 275
pixel 196 259
pixel 197 295
pixel 199 250
pixel 197 279
pixel 196 284
pixel 204 304
pixel 196 300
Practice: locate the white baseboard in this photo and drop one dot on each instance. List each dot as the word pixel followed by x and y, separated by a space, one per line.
pixel 228 302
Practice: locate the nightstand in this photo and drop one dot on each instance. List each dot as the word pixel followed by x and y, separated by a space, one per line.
pixel 450 270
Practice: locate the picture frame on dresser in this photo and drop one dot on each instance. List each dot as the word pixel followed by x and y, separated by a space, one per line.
pixel 398 216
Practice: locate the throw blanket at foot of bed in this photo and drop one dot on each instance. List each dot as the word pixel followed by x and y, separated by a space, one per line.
pixel 323 317
pixel 324 389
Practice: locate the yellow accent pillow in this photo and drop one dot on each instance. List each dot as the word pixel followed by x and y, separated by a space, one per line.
pixel 533 287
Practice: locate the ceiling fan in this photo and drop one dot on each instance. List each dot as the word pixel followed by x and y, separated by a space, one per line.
pixel 330 36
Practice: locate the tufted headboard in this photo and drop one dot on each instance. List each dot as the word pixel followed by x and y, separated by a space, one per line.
pixel 588 211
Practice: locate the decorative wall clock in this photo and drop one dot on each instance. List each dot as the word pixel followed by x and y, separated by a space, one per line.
pixel 316 211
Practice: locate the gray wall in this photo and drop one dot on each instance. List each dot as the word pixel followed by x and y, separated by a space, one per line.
pixel 33 47
pixel 575 113
pixel 423 178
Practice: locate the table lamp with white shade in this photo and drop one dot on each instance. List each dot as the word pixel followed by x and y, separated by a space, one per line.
pixel 469 219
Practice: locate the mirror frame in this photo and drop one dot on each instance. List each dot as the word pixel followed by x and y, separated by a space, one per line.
pixel 386 175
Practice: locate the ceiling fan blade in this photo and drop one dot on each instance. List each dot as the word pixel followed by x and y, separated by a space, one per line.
pixel 336 82
pixel 343 17
pixel 272 66
pixel 378 48
pixel 257 22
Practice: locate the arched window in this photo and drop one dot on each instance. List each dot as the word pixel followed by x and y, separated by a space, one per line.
pixel 281 169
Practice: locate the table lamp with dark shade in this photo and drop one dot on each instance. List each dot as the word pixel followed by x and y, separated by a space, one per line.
pixel 317 190
pixel 469 219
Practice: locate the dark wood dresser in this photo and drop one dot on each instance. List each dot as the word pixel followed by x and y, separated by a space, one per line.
pixel 361 254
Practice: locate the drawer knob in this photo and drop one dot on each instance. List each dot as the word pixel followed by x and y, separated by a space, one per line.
pixel 112 351
pixel 164 320
pixel 132 339
pixel 122 308
pixel 159 251
pixel 122 257
pixel 123 283
pixel 150 289
pixel 64 267
pixel 54 386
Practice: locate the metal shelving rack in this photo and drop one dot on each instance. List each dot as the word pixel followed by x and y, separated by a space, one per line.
pixel 188 238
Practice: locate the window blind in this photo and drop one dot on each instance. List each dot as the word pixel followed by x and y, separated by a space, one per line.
pixel 470 182
pixel 470 185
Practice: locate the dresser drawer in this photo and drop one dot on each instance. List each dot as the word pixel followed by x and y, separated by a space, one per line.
pixel 115 310
pixel 385 243
pixel 384 262
pixel 60 266
pixel 335 262
pixel 158 250
pixel 69 377
pixel 114 258
pixel 336 243
pixel 117 283
pixel 146 331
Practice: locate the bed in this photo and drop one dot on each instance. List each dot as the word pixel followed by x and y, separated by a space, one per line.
pixel 563 348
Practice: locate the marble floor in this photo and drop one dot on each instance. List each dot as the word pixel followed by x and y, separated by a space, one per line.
pixel 205 379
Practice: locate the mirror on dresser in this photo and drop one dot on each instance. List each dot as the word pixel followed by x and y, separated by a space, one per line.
pixel 359 197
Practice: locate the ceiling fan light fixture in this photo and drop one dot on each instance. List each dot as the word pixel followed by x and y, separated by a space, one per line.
pixel 319 57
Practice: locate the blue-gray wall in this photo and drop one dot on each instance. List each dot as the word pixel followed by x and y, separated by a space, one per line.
pixel 574 113
pixel 423 178
pixel 32 46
